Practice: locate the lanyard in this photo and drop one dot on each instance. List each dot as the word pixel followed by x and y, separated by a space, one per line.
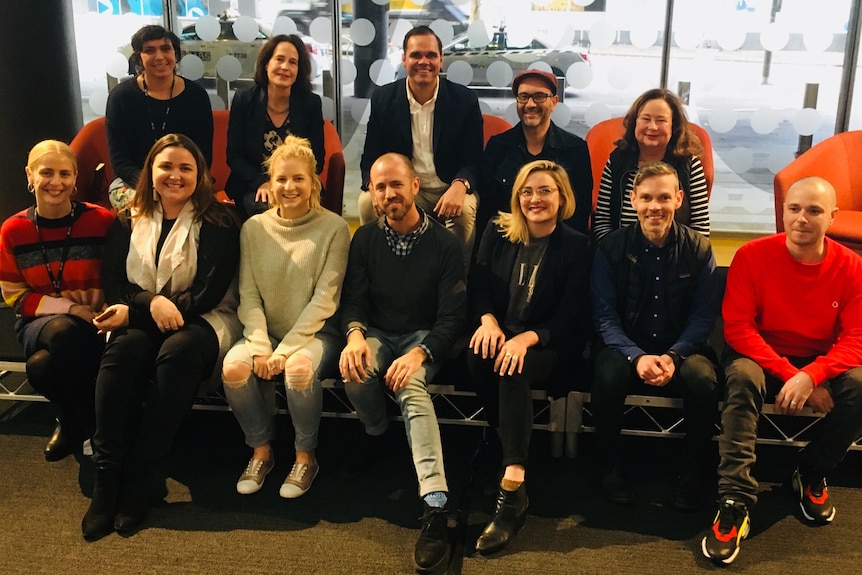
pixel 56 281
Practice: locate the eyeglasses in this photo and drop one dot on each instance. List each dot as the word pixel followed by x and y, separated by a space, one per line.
pixel 538 97
pixel 541 192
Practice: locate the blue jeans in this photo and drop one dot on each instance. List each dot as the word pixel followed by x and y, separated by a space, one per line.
pixel 748 387
pixel 420 419
pixel 253 400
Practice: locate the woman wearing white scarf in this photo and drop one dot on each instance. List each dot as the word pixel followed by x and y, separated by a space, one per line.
pixel 169 275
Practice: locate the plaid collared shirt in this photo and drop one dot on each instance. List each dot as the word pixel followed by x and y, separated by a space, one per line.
pixel 402 244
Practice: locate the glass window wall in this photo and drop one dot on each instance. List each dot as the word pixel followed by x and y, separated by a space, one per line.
pixel 762 76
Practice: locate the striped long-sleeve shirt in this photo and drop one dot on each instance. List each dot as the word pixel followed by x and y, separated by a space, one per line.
pixel 603 220
pixel 25 258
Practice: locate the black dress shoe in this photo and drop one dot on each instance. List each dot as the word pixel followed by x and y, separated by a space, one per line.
pixel 63 443
pixel 616 487
pixel 432 548
pixel 508 519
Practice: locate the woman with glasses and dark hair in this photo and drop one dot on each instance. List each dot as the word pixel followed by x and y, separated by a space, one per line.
pixel 529 299
pixel 280 103
pixel 170 276
pixel 656 129
pixel 50 275
pixel 155 102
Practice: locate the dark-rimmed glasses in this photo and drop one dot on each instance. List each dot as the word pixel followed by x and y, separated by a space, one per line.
pixel 538 97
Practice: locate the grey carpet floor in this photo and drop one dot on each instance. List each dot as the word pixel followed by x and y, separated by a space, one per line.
pixel 369 525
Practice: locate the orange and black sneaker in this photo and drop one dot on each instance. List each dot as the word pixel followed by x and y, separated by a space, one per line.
pixel 730 527
pixel 813 497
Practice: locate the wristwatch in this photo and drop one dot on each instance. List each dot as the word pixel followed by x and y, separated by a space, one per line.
pixel 466 183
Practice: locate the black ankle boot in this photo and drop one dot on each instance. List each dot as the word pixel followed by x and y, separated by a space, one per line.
pixel 99 520
pixel 508 518
pixel 133 501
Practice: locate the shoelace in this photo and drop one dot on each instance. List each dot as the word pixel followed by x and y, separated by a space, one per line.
pixel 727 519
pixel 298 471
pixel 817 487
pixel 253 467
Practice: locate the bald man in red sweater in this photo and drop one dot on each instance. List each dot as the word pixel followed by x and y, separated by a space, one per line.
pixel 793 324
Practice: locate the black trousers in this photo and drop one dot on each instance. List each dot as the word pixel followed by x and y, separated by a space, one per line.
pixel 507 401
pixel 63 368
pixel 162 371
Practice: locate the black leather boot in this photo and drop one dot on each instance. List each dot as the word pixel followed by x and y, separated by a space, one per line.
pixel 67 437
pixel 133 500
pixel 508 519
pixel 99 520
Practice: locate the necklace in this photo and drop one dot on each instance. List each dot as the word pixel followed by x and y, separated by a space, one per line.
pixel 274 111
pixel 57 280
pixel 150 111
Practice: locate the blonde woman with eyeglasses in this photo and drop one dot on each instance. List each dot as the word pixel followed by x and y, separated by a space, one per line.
pixel 529 305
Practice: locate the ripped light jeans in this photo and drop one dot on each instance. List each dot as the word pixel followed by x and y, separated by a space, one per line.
pixel 253 400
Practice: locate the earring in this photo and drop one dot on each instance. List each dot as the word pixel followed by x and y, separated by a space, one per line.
pixel 30 187
pixel 155 195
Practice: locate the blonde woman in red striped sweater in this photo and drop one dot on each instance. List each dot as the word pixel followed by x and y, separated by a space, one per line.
pixel 50 274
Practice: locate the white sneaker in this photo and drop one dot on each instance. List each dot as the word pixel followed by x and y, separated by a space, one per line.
pixel 252 478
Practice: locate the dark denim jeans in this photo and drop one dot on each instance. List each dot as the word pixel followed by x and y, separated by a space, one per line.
pixel 748 387
pixel 695 381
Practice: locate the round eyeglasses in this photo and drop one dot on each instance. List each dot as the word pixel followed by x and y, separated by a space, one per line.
pixel 541 192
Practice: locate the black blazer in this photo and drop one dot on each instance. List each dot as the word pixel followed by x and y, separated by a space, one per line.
pixel 458 135
pixel 559 311
pixel 245 150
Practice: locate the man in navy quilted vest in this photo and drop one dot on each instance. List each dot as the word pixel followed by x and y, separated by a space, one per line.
pixel 655 300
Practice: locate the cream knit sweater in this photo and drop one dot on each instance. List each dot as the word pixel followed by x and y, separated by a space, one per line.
pixel 291 273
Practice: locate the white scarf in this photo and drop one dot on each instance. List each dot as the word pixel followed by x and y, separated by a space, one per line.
pixel 178 260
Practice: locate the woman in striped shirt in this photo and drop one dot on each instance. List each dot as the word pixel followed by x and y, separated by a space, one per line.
pixel 656 129
pixel 50 274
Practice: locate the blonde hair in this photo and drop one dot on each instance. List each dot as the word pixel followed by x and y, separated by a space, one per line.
pixel 46 147
pixel 514 224
pixel 300 149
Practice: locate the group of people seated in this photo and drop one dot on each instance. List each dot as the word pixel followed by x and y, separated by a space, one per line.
pixel 275 292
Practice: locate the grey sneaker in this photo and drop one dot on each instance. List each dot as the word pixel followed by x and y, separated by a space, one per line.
pixel 252 478
pixel 299 480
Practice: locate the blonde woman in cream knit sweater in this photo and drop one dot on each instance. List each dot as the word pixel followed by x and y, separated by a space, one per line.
pixel 293 259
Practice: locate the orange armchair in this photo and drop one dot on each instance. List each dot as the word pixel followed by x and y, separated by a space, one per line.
pixel 493 125
pixel 334 169
pixel 94 168
pixel 600 140
pixel 332 176
pixel 838 159
pixel 95 173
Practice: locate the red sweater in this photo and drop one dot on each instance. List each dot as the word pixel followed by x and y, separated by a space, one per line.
pixel 24 281
pixel 775 307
